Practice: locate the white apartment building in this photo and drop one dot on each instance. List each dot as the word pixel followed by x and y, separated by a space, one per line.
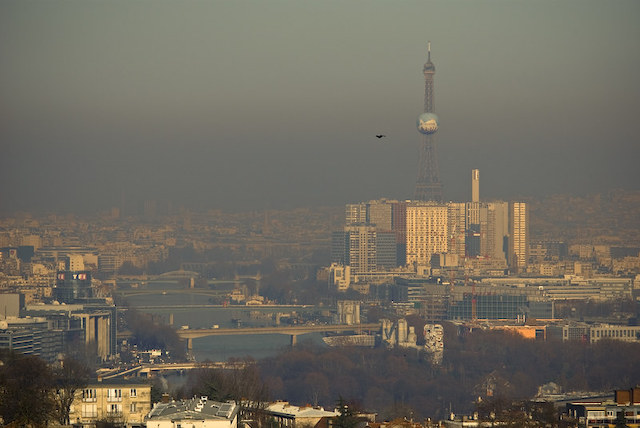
pixel 518 235
pixel 427 227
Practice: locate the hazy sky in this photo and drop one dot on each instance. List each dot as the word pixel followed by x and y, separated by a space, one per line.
pixel 269 104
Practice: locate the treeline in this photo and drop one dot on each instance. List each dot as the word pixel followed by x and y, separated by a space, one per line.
pixel 240 384
pixel 480 364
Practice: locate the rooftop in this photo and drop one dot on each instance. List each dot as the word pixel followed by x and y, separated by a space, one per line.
pixel 284 408
pixel 195 408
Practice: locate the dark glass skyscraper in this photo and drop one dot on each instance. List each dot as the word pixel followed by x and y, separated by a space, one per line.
pixel 428 185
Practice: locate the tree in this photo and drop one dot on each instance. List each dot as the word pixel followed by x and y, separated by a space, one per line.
pixel 110 423
pixel 25 390
pixel 69 377
pixel 346 417
pixel 243 384
pixel 621 420
pixel 128 268
pixel 147 334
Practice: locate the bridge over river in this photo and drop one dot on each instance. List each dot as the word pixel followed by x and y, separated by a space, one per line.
pixel 293 331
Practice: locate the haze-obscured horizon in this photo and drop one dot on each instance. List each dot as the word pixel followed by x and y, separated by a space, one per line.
pixel 265 105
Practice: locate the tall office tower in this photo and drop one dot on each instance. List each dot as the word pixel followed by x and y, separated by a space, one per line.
pixel 356 213
pixel 399 221
pixel 388 217
pixel 497 230
pixel 426 231
pixel 364 249
pixel 386 250
pixel 339 250
pixel 457 226
pixel 380 214
pixel 428 185
pixel 475 185
pixel 518 235
pixel 361 248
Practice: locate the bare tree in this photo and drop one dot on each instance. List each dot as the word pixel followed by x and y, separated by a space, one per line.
pixel 69 377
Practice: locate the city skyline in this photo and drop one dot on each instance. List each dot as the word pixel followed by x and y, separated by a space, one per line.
pixel 253 106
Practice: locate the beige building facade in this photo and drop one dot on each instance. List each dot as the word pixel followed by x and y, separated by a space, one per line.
pixel 125 402
pixel 427 227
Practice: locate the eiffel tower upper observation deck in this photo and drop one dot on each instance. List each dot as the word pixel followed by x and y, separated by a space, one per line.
pixel 428 185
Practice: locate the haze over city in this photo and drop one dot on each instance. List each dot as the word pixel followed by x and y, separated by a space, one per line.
pixel 254 105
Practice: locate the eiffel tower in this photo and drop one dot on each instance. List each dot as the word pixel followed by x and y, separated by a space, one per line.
pixel 428 185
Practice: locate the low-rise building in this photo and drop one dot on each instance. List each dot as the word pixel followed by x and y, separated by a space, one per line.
pixel 194 413
pixel 595 413
pixel 625 333
pixel 287 415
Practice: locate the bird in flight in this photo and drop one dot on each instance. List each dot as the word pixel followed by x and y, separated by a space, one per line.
pixel 380 136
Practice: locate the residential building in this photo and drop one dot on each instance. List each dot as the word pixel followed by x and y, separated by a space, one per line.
pixel 427 227
pixel 356 213
pixel 287 415
pixel 518 236
pixel 457 226
pixel 122 401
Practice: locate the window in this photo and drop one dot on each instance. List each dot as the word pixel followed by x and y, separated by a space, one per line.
pixel 114 409
pixel 114 394
pixel 89 411
pixel 132 408
pixel 89 394
pixel 133 393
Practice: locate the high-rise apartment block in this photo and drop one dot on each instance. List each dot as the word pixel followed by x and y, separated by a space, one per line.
pixel 361 247
pixel 497 230
pixel 364 248
pixel 380 214
pixel 457 228
pixel 356 213
pixel 427 227
pixel 518 235
pixel 410 233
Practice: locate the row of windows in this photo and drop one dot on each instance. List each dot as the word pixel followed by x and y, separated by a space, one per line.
pixel 614 333
pixel 91 410
pixel 113 394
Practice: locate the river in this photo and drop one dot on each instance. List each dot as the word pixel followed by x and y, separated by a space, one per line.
pixel 186 309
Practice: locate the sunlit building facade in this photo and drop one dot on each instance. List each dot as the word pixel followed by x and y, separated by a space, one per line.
pixel 518 235
pixel 427 227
